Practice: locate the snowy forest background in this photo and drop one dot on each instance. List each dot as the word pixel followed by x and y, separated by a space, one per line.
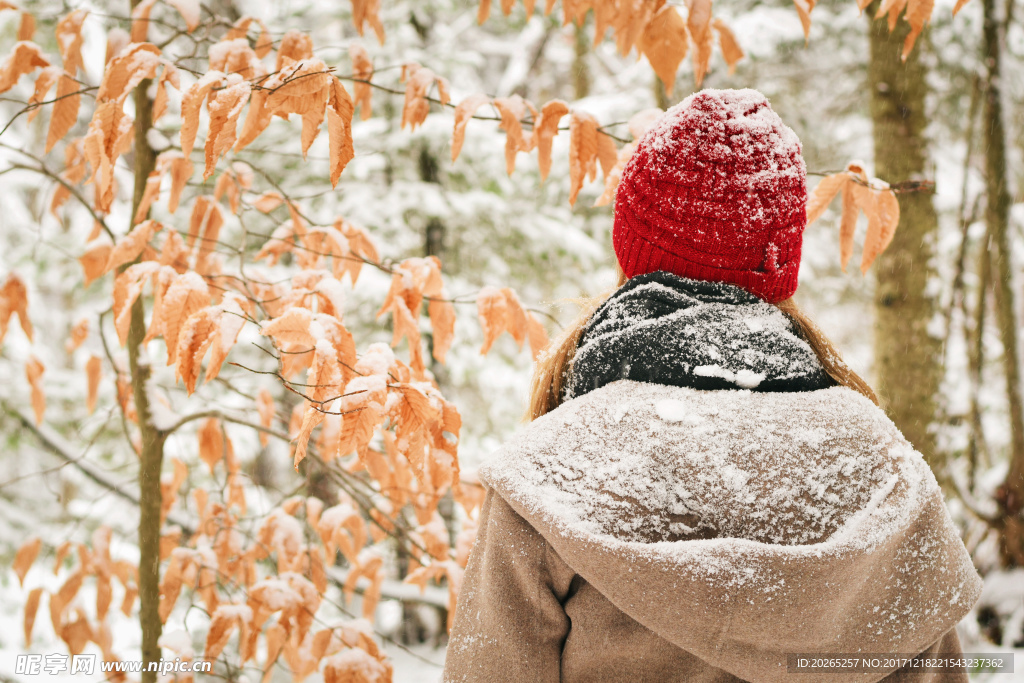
pixel 60 480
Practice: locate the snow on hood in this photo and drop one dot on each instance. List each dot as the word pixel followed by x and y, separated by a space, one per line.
pixel 742 526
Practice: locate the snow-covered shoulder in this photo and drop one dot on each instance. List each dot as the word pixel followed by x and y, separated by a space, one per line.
pixel 646 462
pixel 802 522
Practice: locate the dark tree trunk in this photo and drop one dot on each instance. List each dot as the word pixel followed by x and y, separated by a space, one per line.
pixel 907 358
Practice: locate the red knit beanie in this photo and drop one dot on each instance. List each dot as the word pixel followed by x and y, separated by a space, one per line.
pixel 716 190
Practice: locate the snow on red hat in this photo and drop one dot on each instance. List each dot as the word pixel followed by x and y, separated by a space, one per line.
pixel 716 190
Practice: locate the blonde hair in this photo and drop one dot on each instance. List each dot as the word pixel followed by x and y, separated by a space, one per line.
pixel 552 367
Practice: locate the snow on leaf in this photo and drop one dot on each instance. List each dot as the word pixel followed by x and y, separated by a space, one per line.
pixel 25 57
pixel 664 43
pixel 117 40
pixel 463 113
pixel 295 46
pixel 69 40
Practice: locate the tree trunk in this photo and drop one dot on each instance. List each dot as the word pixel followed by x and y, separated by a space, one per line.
pixel 907 358
pixel 151 457
pixel 997 220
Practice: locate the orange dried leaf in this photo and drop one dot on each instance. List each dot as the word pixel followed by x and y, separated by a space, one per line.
pixel 93 374
pixel 225 106
pixel 664 43
pixel 267 202
pixel 211 443
pixel 69 40
pixel 883 212
pixel 25 556
pixel 545 131
pixel 698 22
pixel 295 46
pixel 140 20
pixel 731 50
pixel 26 27
pixel 31 607
pixel 492 311
pixel 803 10
pixel 512 110
pixel 44 81
pixel 191 102
pixel 367 11
pixel 79 333
pixel 94 260
pixel 339 129
pixel 186 295
pixel 442 320
pixel 34 370
pixel 919 12
pixel 463 113
pixel 180 169
pixel 582 151
pixel 14 300
pixel 362 70
pixel 823 194
pixel 117 40
pixel 131 245
pixel 515 316
pixel 189 11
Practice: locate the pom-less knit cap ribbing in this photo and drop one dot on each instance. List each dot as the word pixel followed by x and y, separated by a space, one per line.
pixel 716 190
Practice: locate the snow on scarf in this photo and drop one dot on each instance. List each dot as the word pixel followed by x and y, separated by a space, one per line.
pixel 664 329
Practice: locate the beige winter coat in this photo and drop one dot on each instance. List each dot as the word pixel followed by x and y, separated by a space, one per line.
pixel 651 533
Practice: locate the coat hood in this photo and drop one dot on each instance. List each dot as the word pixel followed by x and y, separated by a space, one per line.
pixel 744 526
pixel 665 329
